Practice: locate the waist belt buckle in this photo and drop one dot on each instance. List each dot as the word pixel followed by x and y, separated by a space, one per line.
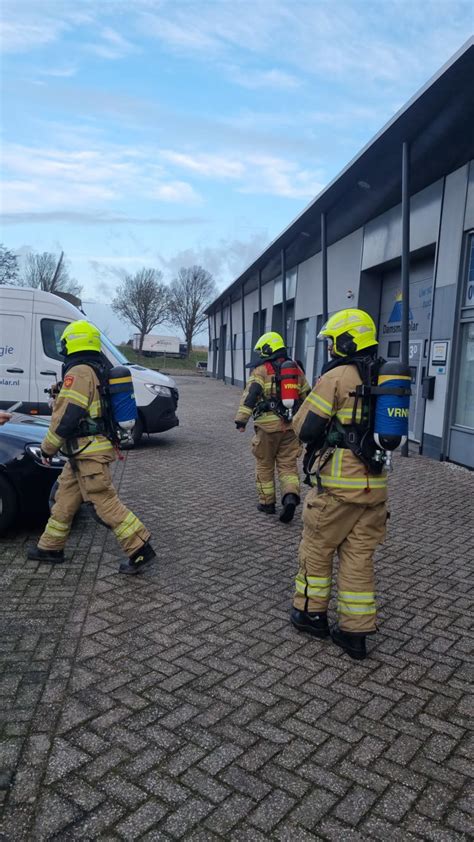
pixel 351 438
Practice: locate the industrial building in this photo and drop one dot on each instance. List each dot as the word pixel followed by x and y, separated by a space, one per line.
pixel 399 218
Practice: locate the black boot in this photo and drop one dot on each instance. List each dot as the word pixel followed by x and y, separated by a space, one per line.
pixel 352 644
pixel 35 553
pixel 138 561
pixel 266 508
pixel 312 622
pixel 290 502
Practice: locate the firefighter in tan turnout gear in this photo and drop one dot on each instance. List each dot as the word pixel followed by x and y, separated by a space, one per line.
pixel 77 429
pixel 345 511
pixel 274 390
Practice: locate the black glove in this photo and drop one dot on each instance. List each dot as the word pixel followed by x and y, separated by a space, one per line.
pixel 45 458
pixel 240 425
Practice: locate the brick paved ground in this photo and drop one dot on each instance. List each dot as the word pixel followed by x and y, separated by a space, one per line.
pixel 182 705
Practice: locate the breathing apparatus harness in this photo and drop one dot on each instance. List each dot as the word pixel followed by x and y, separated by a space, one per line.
pixel 105 424
pixel 371 435
pixel 284 394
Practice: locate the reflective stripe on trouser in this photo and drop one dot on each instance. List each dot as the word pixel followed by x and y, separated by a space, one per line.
pixel 91 482
pixel 353 531
pixel 281 450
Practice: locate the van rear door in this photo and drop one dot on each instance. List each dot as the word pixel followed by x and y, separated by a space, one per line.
pixel 15 352
pixel 48 361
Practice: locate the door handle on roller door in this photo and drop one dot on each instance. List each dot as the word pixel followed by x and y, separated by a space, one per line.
pixel 15 371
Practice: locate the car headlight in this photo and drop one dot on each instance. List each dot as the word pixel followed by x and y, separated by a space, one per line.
pixel 158 390
pixel 34 450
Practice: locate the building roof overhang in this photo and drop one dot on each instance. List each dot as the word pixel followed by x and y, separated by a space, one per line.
pixel 437 122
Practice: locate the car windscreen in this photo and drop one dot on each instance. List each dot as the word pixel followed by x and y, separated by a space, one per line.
pixel 111 348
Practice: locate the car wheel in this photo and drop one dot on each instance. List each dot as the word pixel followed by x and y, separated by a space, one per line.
pixel 137 431
pixel 8 504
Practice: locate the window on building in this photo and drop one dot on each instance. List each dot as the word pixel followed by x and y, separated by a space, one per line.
pixel 464 415
pixel 291 279
pixel 301 341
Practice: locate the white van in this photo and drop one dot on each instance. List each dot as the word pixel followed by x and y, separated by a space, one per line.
pixel 31 324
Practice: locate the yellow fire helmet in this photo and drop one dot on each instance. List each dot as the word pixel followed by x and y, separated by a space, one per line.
pixel 350 331
pixel 80 336
pixel 269 343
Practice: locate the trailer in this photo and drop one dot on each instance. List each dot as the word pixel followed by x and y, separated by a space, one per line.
pixel 159 346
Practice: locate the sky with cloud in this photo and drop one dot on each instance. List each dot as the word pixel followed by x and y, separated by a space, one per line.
pixel 167 132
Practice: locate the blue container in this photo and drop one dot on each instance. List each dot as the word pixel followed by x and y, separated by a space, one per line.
pixel 122 397
pixel 391 410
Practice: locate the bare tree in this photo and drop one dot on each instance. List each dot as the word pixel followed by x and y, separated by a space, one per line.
pixel 142 300
pixel 8 265
pixel 189 295
pixel 45 271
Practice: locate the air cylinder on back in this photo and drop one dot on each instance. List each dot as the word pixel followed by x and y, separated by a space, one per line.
pixel 391 409
pixel 122 397
pixel 289 374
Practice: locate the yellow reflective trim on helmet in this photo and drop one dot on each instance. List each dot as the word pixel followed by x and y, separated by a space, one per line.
pixel 81 336
pixel 115 380
pixel 273 340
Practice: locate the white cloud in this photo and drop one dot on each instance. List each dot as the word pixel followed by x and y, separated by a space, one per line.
pixel 254 173
pixel 112 46
pixel 59 72
pixel 175 191
pixel 45 179
pixel 215 166
pixel 279 177
pixel 255 79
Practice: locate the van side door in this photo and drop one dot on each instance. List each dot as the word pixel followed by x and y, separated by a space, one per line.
pixel 47 331
pixel 15 358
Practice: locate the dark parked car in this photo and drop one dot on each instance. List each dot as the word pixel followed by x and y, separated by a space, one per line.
pixel 25 483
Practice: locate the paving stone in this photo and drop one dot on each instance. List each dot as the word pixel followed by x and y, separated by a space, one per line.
pixel 54 814
pixel 229 813
pixel 245 783
pixel 141 820
pixel 163 708
pixel 313 807
pixel 205 785
pixel 192 812
pixel 355 805
pixel 271 810
pixel 396 802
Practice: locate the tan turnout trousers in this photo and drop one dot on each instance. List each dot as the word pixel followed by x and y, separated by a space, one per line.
pixel 353 531
pixel 280 450
pixel 348 517
pixel 91 483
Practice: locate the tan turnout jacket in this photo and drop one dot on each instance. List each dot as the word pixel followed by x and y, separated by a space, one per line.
pixel 344 475
pixel 78 398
